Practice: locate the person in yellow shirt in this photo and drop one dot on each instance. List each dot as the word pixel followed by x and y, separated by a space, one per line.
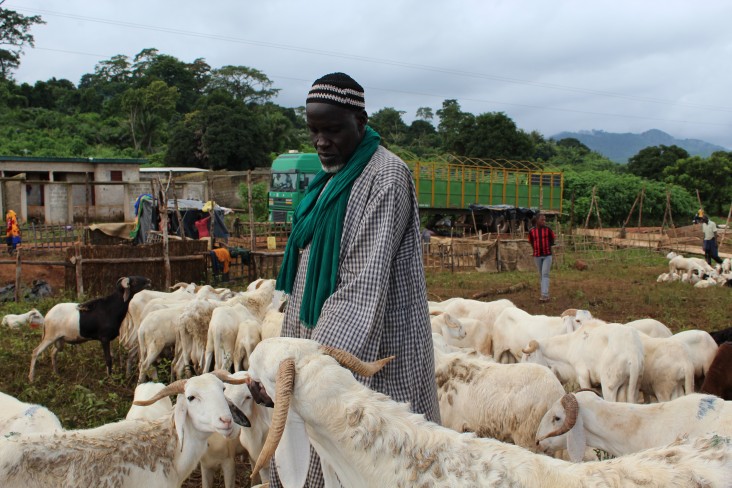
pixel 12 231
pixel 711 251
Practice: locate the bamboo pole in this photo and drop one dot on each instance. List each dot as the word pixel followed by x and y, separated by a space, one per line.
pixel 79 274
pixel 181 230
pixel 726 229
pixel 592 202
pixel 87 196
pixel 698 199
pixel 640 208
pixel 252 236
pixel 17 275
pixel 163 211
pixel 630 214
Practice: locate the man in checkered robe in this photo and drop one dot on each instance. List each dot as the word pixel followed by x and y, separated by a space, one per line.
pixel 379 306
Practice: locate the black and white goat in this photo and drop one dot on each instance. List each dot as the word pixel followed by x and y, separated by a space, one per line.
pixel 95 320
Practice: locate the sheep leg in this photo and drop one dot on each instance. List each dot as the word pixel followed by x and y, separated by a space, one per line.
pixel 207 476
pixel 227 467
pixel 132 358
pixel 45 343
pixel 107 356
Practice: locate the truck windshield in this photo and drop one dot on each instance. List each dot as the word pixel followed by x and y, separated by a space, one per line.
pixel 305 180
pixel 284 182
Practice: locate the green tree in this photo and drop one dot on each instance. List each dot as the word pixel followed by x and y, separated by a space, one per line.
pixel 712 177
pixel 260 200
pixel 148 109
pixel 14 35
pixel 389 124
pixel 243 83
pixel 615 196
pixel 495 136
pixel 651 161
pixel 454 127
pixel 425 113
pixel 222 133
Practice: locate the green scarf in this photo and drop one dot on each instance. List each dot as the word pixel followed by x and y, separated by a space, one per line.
pixel 318 221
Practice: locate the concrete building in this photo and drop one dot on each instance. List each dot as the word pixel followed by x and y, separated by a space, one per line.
pixel 63 190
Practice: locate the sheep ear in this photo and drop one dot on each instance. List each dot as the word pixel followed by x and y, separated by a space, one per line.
pixel 181 410
pixel 293 453
pixel 576 442
pixel 125 283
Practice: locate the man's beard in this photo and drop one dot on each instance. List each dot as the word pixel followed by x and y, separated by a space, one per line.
pixel 332 169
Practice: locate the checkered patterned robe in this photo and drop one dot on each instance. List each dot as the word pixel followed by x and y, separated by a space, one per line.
pixel 379 307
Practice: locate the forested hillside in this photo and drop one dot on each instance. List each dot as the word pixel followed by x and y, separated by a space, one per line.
pixel 188 113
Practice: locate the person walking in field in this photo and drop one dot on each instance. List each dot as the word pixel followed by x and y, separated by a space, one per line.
pixel 711 250
pixel 542 239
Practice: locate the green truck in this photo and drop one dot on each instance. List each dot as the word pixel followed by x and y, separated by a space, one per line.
pixel 291 175
pixel 488 191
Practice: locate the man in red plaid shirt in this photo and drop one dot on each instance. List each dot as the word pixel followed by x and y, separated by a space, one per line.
pixel 542 238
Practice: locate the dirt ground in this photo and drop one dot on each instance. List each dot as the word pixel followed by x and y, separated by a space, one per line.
pixel 53 275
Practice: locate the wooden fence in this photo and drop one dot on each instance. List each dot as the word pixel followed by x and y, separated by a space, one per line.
pixel 468 254
pixel 42 236
pixel 95 270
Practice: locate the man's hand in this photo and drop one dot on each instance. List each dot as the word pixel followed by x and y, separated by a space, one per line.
pixel 259 394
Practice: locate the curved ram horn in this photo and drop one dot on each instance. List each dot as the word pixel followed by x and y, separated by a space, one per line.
pixel 284 384
pixel 571 410
pixel 224 376
pixel 348 360
pixel 532 347
pixel 175 388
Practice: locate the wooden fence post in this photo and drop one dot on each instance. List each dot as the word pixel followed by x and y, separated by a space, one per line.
pixel 79 275
pixel 17 275
pixel 252 236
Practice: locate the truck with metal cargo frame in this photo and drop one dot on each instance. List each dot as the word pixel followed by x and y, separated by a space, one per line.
pixel 497 195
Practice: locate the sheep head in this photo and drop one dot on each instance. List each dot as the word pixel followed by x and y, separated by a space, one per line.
pixel 291 352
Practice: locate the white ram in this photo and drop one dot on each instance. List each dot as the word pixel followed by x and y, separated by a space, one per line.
pixel 365 439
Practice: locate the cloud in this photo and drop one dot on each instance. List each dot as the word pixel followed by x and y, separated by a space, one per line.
pixel 620 66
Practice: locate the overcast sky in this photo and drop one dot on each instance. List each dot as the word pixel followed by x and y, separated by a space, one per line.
pixel 550 65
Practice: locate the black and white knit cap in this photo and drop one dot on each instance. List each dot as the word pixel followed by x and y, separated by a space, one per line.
pixel 337 89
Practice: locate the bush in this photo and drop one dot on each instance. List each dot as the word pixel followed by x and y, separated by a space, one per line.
pixel 260 200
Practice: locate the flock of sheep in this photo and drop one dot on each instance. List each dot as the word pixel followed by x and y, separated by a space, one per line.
pixel 501 374
pixel 696 272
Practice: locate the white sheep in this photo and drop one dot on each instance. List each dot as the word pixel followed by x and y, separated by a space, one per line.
pixel 18 417
pixel 702 348
pixel 33 319
pixel 515 328
pixel 727 265
pixel 272 323
pixel 610 355
pixel 678 264
pixel 136 312
pixel 156 332
pixel 365 439
pixel 648 326
pixel 222 334
pixel 448 326
pixel 253 437
pixel 668 371
pixel 584 419
pixel 129 453
pixel 158 409
pixel 502 401
pixel 220 451
pixel 248 335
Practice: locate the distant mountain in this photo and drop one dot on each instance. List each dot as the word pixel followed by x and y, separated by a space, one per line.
pixel 620 147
